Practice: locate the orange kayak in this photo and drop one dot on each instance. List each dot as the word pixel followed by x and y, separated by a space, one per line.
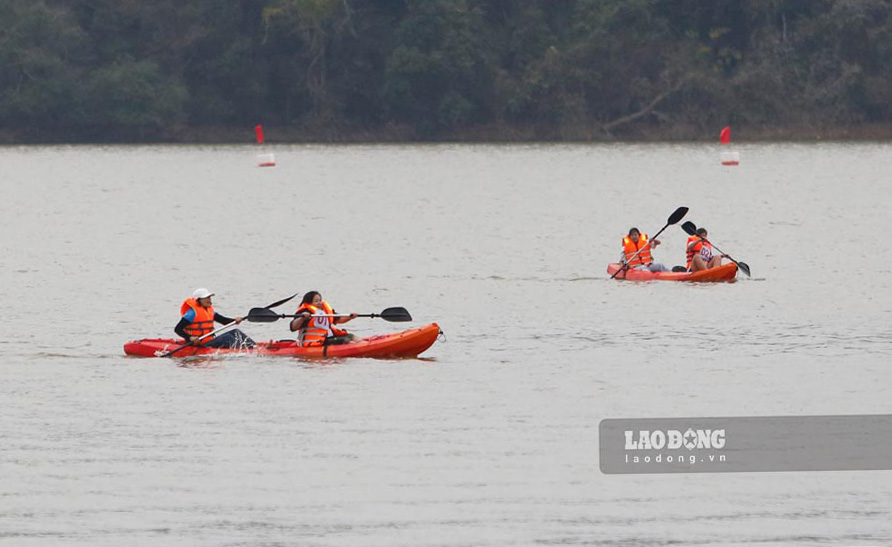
pixel 408 343
pixel 725 272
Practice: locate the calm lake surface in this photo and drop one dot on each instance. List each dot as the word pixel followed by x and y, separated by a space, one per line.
pixel 492 437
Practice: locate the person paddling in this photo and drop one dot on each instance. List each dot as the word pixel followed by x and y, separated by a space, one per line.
pixel 636 252
pixel 197 320
pixel 699 253
pixel 315 326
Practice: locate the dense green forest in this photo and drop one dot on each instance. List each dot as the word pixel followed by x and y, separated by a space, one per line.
pixel 349 70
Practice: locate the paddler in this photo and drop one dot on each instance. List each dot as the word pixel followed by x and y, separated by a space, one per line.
pixel 315 323
pixel 636 252
pixel 197 320
pixel 699 252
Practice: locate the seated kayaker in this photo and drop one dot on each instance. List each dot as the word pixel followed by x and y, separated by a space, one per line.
pixel 636 252
pixel 699 253
pixel 197 320
pixel 315 323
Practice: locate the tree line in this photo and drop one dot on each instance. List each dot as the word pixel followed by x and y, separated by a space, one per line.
pixel 150 70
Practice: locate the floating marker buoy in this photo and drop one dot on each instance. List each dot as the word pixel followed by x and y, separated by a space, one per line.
pixel 264 159
pixel 724 136
pixel 728 157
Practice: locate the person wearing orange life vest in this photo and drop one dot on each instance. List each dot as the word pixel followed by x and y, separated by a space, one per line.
pixel 699 253
pixel 316 326
pixel 636 252
pixel 197 317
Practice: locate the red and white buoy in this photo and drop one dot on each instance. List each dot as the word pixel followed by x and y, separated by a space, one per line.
pixel 265 158
pixel 728 157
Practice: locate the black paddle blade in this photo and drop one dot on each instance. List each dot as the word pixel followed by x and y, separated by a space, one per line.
pixel 744 267
pixel 395 315
pixel 279 303
pixel 677 215
pixel 690 228
pixel 262 315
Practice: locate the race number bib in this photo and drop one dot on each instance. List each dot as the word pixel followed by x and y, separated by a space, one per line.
pixel 706 253
pixel 321 321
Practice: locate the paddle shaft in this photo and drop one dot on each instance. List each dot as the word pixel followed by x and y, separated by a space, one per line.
pixel 218 331
pixel 200 338
pixel 284 316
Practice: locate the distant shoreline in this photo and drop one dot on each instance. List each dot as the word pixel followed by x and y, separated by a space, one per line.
pixel 484 134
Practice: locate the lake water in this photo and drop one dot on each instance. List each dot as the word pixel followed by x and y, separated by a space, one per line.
pixel 492 437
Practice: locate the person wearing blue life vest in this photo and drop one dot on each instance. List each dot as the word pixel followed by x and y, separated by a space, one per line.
pixel 197 318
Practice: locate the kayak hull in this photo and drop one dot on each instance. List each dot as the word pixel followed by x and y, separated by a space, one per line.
pixel 408 343
pixel 725 272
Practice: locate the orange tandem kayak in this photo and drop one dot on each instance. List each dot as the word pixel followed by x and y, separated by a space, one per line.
pixel 408 343
pixel 725 272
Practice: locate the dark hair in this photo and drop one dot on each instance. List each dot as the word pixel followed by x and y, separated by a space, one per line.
pixel 308 298
pixel 634 229
pixel 701 230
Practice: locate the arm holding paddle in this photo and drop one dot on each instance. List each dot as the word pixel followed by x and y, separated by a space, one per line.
pixel 297 323
pixel 218 318
pixel 344 318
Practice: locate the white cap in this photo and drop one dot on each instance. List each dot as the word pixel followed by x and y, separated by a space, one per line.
pixel 201 293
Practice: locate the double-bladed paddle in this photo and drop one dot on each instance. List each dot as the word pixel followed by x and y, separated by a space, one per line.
pixel 264 315
pixel 691 229
pixel 677 215
pixel 224 327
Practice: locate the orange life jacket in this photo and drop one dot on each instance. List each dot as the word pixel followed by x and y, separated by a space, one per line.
pixel 317 329
pixel 204 319
pixel 631 247
pixel 695 249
